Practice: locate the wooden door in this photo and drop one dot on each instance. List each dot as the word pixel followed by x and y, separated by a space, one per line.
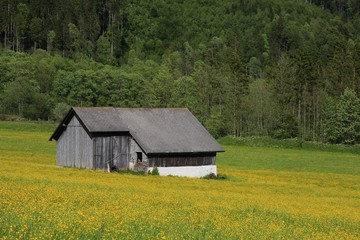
pixel 121 152
pixel 111 153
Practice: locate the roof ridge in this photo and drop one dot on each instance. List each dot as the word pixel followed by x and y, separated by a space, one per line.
pixel 95 107
pixel 137 108
pixel 150 108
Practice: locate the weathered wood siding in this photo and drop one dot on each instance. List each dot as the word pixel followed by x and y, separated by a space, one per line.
pixel 134 149
pixel 74 148
pixel 112 150
pixel 178 161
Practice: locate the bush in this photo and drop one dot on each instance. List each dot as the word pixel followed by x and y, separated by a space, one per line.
pixel 215 177
pixel 155 171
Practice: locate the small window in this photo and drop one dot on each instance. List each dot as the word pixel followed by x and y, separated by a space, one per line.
pixel 139 156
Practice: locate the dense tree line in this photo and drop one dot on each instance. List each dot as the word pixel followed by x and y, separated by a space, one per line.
pixel 268 67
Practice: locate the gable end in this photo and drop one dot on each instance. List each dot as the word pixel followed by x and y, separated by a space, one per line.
pixel 63 125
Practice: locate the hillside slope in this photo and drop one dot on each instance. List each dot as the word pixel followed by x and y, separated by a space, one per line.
pixel 268 67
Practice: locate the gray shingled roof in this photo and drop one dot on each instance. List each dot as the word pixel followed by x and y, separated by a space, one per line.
pixel 101 119
pixel 157 130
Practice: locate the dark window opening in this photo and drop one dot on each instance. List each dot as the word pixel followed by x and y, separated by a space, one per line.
pixel 139 157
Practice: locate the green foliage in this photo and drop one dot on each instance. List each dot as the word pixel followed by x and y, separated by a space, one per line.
pixel 284 127
pixel 260 104
pixel 184 93
pixel 155 171
pixel 103 50
pixel 252 67
pixel 342 119
pixel 216 124
pixel 161 85
pixel 60 111
pixel 50 40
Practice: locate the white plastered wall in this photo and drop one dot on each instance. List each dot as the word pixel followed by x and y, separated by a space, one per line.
pixel 188 171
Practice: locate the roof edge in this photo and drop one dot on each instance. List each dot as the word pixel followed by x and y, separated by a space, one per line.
pixel 197 153
pixel 63 124
pixel 60 128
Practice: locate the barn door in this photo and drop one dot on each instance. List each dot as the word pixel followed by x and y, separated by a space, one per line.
pixel 120 152
pixel 111 153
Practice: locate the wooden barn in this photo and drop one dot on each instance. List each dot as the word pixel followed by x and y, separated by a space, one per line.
pixel 108 138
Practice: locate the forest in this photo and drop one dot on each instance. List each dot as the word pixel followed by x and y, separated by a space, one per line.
pixel 279 68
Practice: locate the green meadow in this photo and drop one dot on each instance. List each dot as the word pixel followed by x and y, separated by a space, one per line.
pixel 271 191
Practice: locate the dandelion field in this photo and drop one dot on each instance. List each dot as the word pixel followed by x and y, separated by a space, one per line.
pixel 268 193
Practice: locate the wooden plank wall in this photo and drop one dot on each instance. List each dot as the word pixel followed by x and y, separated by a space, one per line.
pixel 121 159
pixel 181 161
pixel 113 150
pixel 74 148
pixel 133 155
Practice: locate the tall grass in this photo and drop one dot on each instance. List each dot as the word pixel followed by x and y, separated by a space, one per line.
pixel 270 193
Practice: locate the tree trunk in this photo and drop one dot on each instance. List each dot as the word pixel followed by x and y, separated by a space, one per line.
pixel 112 34
pixel 234 123
pixel 12 33
pixel 304 119
pixel 48 47
pixel 299 111
pixel 314 117
pixel 5 37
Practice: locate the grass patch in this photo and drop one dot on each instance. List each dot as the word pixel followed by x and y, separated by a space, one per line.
pixel 291 160
pixel 35 126
pixel 131 172
pixel 293 143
